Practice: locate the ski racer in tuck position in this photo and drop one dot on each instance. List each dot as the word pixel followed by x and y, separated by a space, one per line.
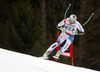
pixel 69 27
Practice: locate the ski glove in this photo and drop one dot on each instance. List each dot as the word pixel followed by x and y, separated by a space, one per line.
pixel 76 32
pixel 62 28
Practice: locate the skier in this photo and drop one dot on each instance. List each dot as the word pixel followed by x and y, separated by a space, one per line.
pixel 69 27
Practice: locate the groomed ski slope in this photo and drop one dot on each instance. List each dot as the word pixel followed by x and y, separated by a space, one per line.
pixel 16 62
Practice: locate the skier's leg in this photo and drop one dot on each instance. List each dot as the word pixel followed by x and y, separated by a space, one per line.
pixel 65 47
pixel 54 45
pixel 49 50
pixel 67 44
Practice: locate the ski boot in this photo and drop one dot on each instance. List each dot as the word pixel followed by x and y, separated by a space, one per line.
pixel 57 55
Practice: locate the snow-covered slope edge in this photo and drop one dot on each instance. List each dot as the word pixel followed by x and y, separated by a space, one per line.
pixel 16 62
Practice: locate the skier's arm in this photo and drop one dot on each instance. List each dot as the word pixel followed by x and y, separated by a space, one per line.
pixel 61 25
pixel 80 29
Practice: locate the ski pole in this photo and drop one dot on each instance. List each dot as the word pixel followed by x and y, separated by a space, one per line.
pixel 67 10
pixel 88 19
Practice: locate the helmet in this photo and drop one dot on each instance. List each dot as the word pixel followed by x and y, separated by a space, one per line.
pixel 73 18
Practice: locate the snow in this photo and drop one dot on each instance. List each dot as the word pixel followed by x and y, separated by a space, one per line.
pixel 16 62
